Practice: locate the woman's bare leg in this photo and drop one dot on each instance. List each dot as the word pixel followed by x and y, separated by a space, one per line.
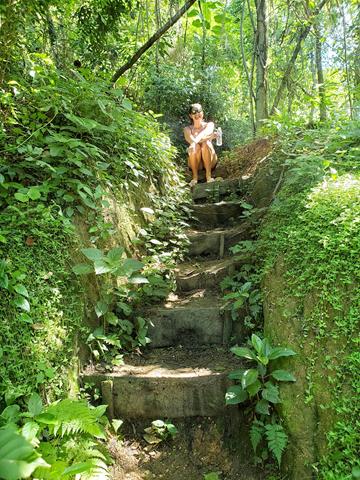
pixel 209 159
pixel 194 162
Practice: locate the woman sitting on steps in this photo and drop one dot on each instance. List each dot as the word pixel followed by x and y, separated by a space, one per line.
pixel 201 151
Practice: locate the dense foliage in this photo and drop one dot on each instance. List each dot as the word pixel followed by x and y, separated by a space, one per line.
pixel 314 227
pixel 72 144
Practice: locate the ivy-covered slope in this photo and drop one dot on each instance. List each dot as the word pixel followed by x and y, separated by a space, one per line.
pixel 311 245
pixel 79 167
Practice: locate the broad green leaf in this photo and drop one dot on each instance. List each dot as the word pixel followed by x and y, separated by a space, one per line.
pixel 79 468
pixel 34 193
pixel 21 290
pixel 11 413
pixel 194 12
pixel 101 308
pixel 254 388
pixel 101 267
pixel 243 352
pixel 283 376
pixel 211 476
pixel 83 269
pixel 249 377
pixel 236 374
pixel 111 318
pixel 35 405
pixel 92 253
pixel 171 429
pixel 17 469
pixel 278 352
pixel 235 395
pixel 197 23
pixel 21 197
pixel 271 393
pixel 22 303
pixel 116 424
pixel 257 343
pixel 132 265
pixel 16 456
pixel 30 430
pixel 262 407
pixel 115 254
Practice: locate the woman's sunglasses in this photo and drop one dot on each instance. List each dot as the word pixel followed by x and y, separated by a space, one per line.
pixel 195 111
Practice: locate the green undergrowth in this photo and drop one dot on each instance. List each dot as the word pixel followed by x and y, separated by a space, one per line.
pixel 38 337
pixel 314 227
pixel 70 149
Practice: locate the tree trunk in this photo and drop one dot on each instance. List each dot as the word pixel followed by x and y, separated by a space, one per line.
pixel 261 62
pixel 356 97
pixel 346 62
pixel 304 32
pixel 320 72
pixel 314 82
pixel 248 76
pixel 152 40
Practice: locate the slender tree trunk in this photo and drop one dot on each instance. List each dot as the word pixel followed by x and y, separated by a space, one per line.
pixel 314 83
pixel 158 23
pixel 248 77
pixel 304 32
pixel 203 40
pixel 261 62
pixel 320 72
pixel 356 105
pixel 346 62
pixel 152 40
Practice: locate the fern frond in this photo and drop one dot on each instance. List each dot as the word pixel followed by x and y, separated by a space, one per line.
pixel 277 440
pixel 256 433
pixel 74 416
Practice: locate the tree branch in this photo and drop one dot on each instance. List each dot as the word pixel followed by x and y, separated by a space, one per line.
pixel 303 34
pixel 152 40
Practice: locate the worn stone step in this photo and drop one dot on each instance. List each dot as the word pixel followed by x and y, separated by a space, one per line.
pixel 208 274
pixel 167 383
pixel 221 187
pixel 192 320
pixel 218 241
pixel 210 215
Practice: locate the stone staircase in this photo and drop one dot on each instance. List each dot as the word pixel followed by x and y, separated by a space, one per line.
pixel 184 372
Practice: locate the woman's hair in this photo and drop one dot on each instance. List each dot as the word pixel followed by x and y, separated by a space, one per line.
pixel 195 108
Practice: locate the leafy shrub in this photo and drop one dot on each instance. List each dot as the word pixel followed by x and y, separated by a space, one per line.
pixel 259 387
pixel 59 440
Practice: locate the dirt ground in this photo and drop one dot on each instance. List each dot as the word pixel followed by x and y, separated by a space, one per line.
pixel 197 450
pixel 243 161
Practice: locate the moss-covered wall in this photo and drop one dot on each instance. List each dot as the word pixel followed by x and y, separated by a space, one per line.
pixel 311 289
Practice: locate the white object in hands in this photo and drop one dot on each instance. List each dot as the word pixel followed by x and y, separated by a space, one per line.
pixel 219 137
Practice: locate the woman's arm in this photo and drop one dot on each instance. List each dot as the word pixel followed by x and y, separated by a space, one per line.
pixel 207 133
pixel 188 136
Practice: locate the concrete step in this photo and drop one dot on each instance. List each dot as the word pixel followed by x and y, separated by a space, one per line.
pixel 167 383
pixel 208 274
pixel 191 320
pixel 218 241
pixel 214 190
pixel 212 215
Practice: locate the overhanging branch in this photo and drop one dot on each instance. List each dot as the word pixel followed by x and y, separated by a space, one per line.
pixel 152 40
